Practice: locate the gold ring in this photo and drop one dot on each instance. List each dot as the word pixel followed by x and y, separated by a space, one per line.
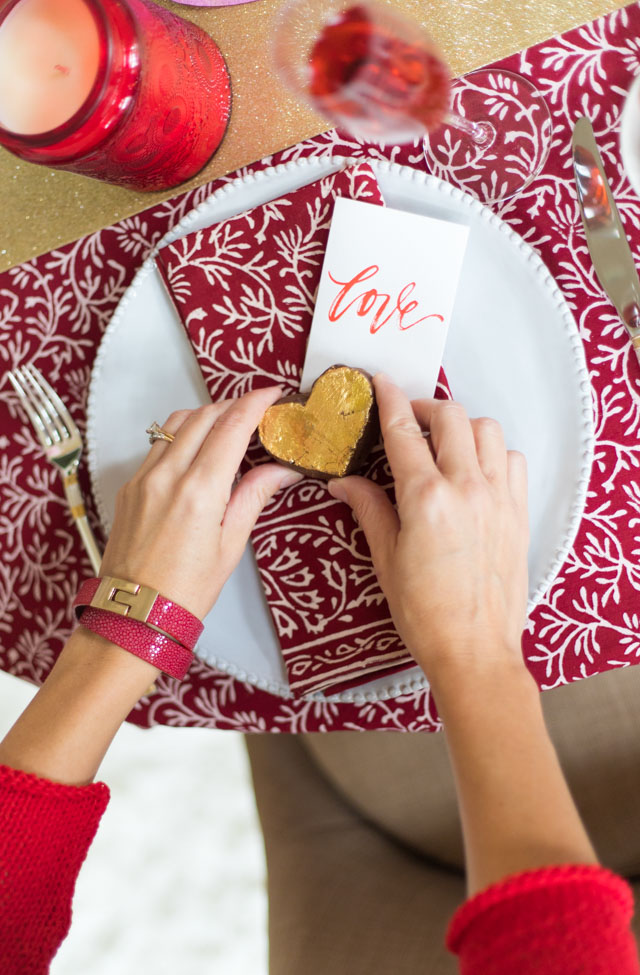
pixel 156 432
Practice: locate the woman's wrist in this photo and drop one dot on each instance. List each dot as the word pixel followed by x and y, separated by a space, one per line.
pixel 516 810
pixel 480 676
pixel 103 664
pixel 68 726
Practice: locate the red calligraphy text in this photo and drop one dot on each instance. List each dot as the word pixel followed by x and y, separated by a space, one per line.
pixel 375 303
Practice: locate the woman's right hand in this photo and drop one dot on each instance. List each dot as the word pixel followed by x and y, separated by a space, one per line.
pixel 452 560
pixel 452 563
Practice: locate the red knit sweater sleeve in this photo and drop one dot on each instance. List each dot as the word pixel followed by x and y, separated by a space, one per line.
pixel 45 832
pixel 554 921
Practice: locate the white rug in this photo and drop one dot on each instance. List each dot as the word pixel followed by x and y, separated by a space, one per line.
pixel 174 882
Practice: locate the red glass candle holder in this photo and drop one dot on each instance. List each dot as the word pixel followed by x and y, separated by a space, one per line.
pixel 158 108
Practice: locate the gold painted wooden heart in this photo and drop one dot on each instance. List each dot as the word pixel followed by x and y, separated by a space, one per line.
pixel 328 433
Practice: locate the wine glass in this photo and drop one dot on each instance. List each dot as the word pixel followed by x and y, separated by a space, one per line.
pixel 379 75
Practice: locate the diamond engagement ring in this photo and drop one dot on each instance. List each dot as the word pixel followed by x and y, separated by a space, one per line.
pixel 156 432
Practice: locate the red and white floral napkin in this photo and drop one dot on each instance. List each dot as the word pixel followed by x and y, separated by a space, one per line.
pixel 245 290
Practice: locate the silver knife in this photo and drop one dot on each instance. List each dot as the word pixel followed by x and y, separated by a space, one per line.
pixel 608 245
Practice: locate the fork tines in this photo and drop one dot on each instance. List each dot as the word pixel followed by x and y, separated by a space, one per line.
pixel 46 410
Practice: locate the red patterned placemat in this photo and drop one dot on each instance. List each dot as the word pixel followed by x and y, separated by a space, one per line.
pixel 53 311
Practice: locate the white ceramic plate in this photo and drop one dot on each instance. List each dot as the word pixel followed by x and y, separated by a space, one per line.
pixel 513 353
pixel 630 135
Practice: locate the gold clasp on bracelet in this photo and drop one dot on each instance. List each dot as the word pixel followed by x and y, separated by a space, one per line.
pixel 128 599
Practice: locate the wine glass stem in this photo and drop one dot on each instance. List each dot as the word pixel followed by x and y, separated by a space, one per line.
pixel 482 134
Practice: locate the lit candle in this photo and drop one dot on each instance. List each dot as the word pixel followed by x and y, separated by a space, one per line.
pixel 49 56
pixel 121 90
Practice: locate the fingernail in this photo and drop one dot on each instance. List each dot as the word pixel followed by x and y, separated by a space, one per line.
pixel 290 478
pixel 382 377
pixel 336 490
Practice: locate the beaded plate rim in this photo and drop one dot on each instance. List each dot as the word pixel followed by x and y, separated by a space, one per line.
pixel 317 166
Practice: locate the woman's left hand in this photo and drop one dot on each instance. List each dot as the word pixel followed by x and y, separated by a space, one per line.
pixel 180 524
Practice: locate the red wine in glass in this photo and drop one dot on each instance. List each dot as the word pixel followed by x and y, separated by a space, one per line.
pixel 378 75
pixel 369 77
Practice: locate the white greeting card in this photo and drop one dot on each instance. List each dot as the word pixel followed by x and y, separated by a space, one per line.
pixel 386 295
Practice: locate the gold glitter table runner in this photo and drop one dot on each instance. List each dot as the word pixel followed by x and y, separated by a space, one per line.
pixel 42 209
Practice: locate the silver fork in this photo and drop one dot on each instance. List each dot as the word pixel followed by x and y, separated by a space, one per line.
pixel 62 444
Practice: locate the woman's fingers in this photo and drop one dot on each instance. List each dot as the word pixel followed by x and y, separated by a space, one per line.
pixel 404 444
pixel 452 437
pixel 159 447
pixel 223 449
pixel 374 513
pixel 191 435
pixel 190 429
pixel 517 479
pixel 490 448
pixel 253 492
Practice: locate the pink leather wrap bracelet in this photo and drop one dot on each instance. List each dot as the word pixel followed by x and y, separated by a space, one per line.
pixel 132 601
pixel 139 639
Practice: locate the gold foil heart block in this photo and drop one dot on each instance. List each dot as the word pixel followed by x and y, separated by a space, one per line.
pixel 328 433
